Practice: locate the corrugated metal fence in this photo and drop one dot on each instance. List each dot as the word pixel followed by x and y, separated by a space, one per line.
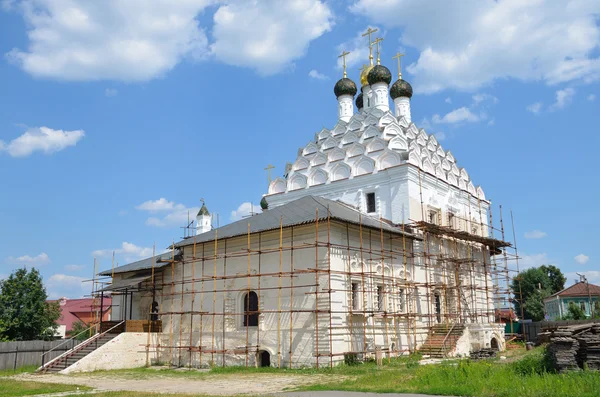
pixel 14 355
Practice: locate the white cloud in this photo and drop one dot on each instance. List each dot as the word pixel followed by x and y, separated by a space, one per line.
pixel 470 43
pixel 582 259
pixel 129 251
pixel 592 276
pixel 162 204
pixel 177 214
pixel 317 75
pixel 358 48
pixel 268 35
pixel 535 108
pixel 483 97
pixel 59 285
pixel 440 136
pixel 119 39
pixel 27 260
pixel 41 139
pixel 534 260
pixel 74 268
pixel 245 209
pixel 448 100
pixel 110 92
pixel 535 234
pixel 459 115
pixel 563 98
pixel 591 97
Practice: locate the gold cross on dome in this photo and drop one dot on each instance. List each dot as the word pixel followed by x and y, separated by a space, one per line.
pixel 399 57
pixel 376 42
pixel 268 169
pixel 343 56
pixel 368 33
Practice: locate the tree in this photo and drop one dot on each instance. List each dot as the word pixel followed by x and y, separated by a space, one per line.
pixel 531 286
pixel 24 312
pixel 77 331
pixel 575 312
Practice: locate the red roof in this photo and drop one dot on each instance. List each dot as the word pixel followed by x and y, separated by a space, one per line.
pixel 73 310
pixel 579 289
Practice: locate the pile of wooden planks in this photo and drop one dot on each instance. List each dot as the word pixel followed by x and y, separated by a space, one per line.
pixel 575 347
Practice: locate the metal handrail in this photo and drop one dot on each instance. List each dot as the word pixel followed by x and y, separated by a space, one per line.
pixel 67 341
pixel 446 338
pixel 82 344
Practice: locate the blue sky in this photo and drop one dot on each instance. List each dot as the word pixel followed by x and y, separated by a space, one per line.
pixel 116 119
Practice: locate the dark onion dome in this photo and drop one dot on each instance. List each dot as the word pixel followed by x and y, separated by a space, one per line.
pixel 359 101
pixel 379 74
pixel 203 210
pixel 263 204
pixel 401 88
pixel 344 86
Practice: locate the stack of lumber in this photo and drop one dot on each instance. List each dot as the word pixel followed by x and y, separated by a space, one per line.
pixel 563 353
pixel 574 347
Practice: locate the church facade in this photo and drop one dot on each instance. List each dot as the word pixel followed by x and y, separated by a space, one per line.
pixel 374 242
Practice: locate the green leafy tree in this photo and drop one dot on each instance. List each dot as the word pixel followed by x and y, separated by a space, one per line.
pixel 24 312
pixel 77 331
pixel 531 286
pixel 575 312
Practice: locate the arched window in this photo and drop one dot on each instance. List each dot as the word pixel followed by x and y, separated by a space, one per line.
pixel 250 309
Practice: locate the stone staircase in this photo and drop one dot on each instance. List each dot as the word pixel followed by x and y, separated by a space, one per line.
pixel 442 340
pixel 77 353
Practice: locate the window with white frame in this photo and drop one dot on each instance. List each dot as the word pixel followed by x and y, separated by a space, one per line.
pixel 434 216
pixel 380 300
pixel 355 299
pixel 401 300
pixel 370 203
pixel 451 220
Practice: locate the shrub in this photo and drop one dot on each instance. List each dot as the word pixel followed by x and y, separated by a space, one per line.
pixel 533 364
pixel 351 359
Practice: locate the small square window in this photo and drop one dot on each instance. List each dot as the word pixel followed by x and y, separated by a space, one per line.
pixel 371 203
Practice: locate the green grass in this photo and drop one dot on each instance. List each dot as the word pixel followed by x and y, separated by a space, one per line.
pixel 20 370
pixel 15 388
pixel 524 378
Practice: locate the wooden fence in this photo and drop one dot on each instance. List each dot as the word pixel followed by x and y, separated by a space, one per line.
pixel 14 355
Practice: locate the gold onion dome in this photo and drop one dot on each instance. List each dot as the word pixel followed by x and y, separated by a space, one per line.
pixel 379 74
pixel 359 101
pixel 364 75
pixel 344 86
pixel 401 88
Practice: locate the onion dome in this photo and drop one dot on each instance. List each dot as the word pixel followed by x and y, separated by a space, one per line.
pixel 359 101
pixel 379 74
pixel 344 86
pixel 401 88
pixel 203 210
pixel 363 75
pixel 263 204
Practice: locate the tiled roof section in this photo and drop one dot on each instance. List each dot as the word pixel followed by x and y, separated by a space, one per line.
pixel 579 289
pixel 159 261
pixel 297 212
pixel 371 141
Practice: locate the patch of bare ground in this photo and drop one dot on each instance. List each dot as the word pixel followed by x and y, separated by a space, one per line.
pixel 220 384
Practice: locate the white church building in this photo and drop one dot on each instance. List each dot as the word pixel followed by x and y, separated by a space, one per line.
pixel 374 242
